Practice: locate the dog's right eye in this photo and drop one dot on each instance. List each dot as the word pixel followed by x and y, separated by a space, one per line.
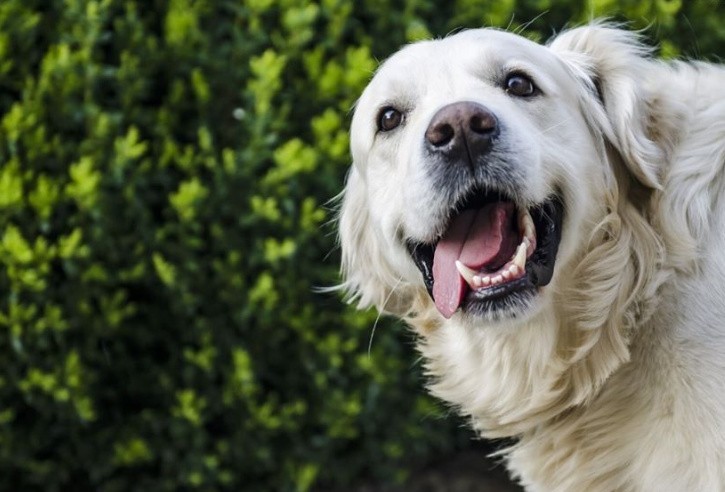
pixel 520 85
pixel 389 118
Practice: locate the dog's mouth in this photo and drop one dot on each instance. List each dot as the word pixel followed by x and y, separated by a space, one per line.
pixel 493 255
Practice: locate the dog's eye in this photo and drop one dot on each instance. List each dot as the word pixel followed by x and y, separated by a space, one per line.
pixel 520 85
pixel 389 119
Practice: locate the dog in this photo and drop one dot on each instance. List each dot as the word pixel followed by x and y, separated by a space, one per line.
pixel 549 220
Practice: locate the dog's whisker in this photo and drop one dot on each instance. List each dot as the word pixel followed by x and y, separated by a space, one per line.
pixel 555 126
pixel 526 25
pixel 377 319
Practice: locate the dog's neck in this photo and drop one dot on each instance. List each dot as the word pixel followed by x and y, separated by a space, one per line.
pixel 522 376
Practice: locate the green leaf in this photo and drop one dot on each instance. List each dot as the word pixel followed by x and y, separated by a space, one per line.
pixel 188 197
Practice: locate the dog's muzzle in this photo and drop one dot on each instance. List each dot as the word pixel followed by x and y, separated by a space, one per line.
pixel 494 251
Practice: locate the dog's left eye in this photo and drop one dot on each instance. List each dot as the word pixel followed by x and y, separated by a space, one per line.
pixel 520 85
pixel 389 118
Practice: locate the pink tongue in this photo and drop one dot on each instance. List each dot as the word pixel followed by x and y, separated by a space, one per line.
pixel 475 238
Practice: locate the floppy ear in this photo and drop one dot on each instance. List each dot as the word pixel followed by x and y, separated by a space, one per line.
pixel 368 277
pixel 615 62
pixel 614 284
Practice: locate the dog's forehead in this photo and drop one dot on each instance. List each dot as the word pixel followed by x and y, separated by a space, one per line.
pixel 467 50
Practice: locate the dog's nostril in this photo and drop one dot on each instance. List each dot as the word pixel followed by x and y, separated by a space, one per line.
pixel 440 134
pixel 482 122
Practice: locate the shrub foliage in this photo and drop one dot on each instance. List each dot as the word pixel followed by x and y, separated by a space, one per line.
pixel 164 173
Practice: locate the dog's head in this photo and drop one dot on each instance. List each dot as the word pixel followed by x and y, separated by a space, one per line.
pixel 490 184
pixel 480 165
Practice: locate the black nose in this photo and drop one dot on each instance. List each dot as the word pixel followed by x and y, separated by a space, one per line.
pixel 462 130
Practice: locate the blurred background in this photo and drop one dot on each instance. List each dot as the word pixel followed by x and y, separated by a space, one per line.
pixel 165 175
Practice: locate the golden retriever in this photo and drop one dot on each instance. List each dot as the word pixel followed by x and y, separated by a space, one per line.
pixel 549 220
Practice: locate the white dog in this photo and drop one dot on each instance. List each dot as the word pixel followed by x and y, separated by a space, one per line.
pixel 550 221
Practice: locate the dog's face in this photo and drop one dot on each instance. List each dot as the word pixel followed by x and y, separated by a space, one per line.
pixel 479 172
pixel 500 202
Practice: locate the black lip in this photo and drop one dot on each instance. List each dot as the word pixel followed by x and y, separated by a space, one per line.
pixel 548 218
pixel 501 300
pixel 422 255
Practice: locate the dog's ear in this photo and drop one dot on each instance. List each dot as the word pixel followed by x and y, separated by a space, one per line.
pixel 368 277
pixel 613 62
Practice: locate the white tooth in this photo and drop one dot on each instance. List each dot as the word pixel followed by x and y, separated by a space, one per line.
pixel 530 246
pixel 529 230
pixel 466 273
pixel 497 279
pixel 506 274
pixel 514 269
pixel 524 217
pixel 520 258
pixel 522 214
pixel 526 224
pixel 476 282
pixel 486 280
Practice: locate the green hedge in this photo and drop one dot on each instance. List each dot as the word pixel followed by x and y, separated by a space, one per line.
pixel 165 168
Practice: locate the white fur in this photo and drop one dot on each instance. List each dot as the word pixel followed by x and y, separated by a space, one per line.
pixel 615 378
